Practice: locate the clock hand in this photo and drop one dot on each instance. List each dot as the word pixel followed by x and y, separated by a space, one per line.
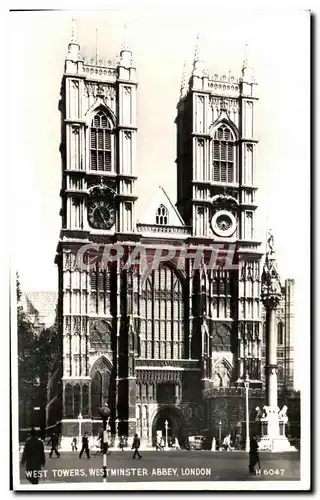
pixel 102 217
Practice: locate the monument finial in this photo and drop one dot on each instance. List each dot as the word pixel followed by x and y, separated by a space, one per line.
pixel 270 243
pixel 270 279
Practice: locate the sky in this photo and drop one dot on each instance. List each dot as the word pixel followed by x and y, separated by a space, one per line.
pixel 161 40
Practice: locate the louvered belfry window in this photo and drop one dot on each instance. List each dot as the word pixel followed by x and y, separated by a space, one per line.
pixel 100 143
pixel 223 155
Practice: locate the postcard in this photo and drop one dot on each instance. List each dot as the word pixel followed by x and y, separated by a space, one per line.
pixel 159 329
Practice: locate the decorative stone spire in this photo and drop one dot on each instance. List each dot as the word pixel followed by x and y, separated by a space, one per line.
pixel 247 70
pixel 74 36
pixel 184 88
pixel 74 46
pixel 125 59
pixel 270 279
pixel 198 64
pixel 197 49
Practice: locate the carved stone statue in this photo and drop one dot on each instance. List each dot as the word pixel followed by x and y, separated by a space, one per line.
pixel 259 413
pixel 283 414
pixel 270 243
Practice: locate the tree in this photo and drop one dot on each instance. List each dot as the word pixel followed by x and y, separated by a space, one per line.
pixel 27 365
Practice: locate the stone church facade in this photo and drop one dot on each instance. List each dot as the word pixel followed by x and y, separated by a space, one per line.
pixel 153 343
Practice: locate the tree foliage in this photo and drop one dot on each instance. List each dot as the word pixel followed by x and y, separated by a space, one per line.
pixel 36 357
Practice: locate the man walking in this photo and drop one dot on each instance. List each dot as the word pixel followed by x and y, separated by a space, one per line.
pixel 85 445
pixel 74 444
pixel 33 456
pixel 136 446
pixel 54 440
pixel 253 454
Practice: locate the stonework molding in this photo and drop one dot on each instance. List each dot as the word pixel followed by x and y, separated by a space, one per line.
pixel 105 91
pixel 167 363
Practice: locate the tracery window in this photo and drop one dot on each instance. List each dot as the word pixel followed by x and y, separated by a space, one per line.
pixel 162 314
pixel 223 155
pixel 69 400
pixel 162 216
pixel 100 143
pixel 77 400
pixel 96 393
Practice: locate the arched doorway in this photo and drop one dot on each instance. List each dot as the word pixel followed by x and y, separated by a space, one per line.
pixel 174 417
pixel 100 385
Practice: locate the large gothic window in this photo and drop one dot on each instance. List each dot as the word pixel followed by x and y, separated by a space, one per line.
pixel 69 401
pixel 100 143
pixel 100 384
pixel 162 216
pixel 161 312
pixel 223 155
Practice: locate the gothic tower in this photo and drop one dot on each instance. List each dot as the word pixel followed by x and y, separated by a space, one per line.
pixel 98 142
pixel 216 197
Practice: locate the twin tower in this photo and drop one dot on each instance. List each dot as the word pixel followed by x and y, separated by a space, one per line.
pixel 150 344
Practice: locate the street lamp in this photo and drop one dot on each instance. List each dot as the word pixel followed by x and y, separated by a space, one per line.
pixel 79 419
pixel 220 425
pixel 246 386
pixel 166 431
pixel 105 415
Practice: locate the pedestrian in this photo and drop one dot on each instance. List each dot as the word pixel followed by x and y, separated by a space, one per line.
pixel 227 443
pixel 253 454
pixel 121 444
pixel 162 443
pixel 158 444
pixel 74 444
pixel 85 445
pixel 176 443
pixel 136 446
pixel 33 456
pixel 54 440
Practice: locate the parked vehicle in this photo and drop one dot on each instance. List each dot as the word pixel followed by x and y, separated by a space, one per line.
pixel 196 442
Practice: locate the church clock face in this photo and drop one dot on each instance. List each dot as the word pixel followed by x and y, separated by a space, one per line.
pixel 101 215
pixel 223 223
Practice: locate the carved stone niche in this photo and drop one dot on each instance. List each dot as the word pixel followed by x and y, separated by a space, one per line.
pixel 100 335
pixel 221 337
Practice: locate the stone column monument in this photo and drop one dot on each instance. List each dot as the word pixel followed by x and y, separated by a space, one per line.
pixel 272 421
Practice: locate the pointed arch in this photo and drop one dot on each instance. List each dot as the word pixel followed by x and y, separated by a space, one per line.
pixel 99 106
pixel 224 152
pixel 222 373
pixel 227 123
pixel 162 215
pixel 162 314
pixel 101 139
pixel 100 374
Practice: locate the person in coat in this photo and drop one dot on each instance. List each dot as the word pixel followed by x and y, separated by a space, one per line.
pixel 253 454
pixel 54 440
pixel 74 444
pixel 33 457
pixel 85 445
pixel 136 446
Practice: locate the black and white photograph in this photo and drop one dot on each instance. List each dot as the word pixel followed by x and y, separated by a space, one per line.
pixel 160 265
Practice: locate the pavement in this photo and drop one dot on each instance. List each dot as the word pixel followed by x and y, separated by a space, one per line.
pixel 173 465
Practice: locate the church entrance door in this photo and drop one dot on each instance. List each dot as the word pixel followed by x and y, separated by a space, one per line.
pixel 174 418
